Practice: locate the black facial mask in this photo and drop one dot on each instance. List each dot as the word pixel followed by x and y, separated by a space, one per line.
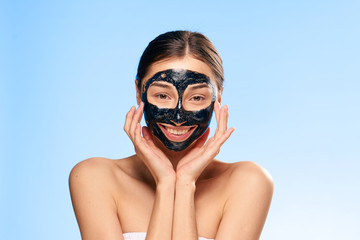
pixel 181 79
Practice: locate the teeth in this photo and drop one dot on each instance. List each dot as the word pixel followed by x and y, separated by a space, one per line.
pixel 176 132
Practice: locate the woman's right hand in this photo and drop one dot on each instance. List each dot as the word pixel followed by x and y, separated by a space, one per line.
pixel 156 161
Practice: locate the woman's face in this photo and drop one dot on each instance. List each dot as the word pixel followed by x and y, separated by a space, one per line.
pixel 179 96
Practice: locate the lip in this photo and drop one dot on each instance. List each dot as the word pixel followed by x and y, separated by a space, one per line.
pixel 177 137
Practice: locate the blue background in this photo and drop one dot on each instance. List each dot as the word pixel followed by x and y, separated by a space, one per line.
pixel 292 70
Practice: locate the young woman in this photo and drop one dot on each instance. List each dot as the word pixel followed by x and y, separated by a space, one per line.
pixel 173 187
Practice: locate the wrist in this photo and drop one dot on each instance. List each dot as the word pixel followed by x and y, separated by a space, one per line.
pixel 166 184
pixel 184 178
pixel 185 183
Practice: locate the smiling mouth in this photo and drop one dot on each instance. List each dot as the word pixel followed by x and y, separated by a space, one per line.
pixel 176 134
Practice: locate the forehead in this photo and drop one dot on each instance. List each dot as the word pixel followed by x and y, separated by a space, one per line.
pixel 180 78
pixel 187 63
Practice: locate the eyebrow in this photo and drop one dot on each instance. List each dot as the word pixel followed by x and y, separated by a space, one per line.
pixel 156 84
pixel 203 85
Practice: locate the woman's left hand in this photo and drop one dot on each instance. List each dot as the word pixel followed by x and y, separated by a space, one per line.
pixel 198 158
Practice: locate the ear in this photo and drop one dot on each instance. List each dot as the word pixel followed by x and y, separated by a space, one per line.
pixel 138 93
pixel 220 94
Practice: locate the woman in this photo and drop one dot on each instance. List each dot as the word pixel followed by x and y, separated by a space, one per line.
pixel 173 188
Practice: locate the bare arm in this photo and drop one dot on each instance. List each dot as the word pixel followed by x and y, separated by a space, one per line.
pixel 95 208
pixel 91 187
pixel 160 226
pixel 245 211
pixel 184 214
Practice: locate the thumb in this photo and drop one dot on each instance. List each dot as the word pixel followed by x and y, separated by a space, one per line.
pixel 201 141
pixel 146 133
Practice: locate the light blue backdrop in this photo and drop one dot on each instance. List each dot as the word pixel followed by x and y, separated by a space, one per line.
pixel 292 71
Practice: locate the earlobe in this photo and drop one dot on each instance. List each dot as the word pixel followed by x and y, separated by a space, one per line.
pixel 138 94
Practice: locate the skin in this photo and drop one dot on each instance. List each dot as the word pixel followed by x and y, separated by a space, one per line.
pixel 171 195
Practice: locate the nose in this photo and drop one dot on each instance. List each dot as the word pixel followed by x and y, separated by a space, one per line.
pixel 177 124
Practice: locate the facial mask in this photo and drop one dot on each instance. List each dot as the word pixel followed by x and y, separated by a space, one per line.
pixel 181 79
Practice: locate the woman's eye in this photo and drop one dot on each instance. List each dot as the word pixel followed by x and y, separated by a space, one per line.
pixel 162 96
pixel 197 98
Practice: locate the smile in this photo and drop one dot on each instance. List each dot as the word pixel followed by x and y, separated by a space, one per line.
pixel 176 134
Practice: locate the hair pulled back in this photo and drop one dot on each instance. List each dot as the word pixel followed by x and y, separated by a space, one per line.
pixel 178 44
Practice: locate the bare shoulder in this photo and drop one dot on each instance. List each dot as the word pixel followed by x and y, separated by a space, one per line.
pixel 91 163
pixel 96 171
pixel 92 185
pixel 241 175
pixel 249 189
pixel 248 174
pixel 251 169
pixel 92 167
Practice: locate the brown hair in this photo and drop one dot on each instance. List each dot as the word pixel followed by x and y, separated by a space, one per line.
pixel 179 44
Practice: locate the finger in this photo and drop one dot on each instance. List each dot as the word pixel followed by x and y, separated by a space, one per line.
pixel 141 107
pixel 227 116
pixel 225 136
pixel 228 133
pixel 220 125
pixel 213 148
pixel 137 134
pixel 136 119
pixel 128 119
pixel 223 119
pixel 217 111
pixel 217 114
